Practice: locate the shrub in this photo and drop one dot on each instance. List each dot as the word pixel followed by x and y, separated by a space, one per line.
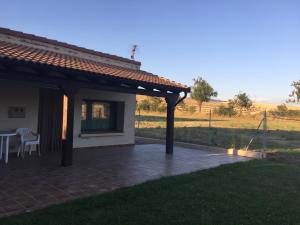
pixel 226 111
pixel 192 109
pixel 162 108
pixel 143 105
pixel 283 111
pixel 282 108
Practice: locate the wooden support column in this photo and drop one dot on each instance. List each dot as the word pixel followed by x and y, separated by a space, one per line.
pixel 171 100
pixel 67 149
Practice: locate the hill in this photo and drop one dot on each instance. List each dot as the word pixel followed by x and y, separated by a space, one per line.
pixel 214 104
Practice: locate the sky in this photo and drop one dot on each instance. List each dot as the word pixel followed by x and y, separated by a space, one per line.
pixel 250 46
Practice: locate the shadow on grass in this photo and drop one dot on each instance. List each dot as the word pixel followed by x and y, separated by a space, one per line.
pixel 177 119
pixel 228 137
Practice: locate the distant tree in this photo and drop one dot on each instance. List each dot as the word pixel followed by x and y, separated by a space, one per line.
pixel 231 103
pixel 241 101
pixel 295 95
pixel 154 103
pixel 226 110
pixel 282 108
pixel 202 91
pixel 143 105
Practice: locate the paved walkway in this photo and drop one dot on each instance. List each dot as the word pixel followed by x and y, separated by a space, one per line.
pixel 35 182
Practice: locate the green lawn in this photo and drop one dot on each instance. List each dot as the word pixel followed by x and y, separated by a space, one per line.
pixel 255 192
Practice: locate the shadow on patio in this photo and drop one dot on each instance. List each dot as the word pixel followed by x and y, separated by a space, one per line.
pixel 35 182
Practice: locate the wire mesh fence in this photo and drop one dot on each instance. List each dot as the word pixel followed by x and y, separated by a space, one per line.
pixel 263 132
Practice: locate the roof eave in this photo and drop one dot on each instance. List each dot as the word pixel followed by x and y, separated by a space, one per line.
pixel 66 45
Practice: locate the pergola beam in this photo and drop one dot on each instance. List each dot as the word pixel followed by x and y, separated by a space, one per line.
pixel 55 80
pixel 70 74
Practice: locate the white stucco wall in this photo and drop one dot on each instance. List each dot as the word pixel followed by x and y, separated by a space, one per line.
pixel 23 94
pixel 127 137
pixel 18 94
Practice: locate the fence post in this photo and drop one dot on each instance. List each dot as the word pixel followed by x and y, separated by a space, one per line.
pixel 265 140
pixel 209 123
pixel 139 118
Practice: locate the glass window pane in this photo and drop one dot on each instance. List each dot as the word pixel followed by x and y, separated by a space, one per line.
pixel 83 111
pixel 84 116
pixel 101 110
pixel 98 116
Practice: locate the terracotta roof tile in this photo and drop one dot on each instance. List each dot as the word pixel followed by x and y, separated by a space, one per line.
pixel 65 45
pixel 35 55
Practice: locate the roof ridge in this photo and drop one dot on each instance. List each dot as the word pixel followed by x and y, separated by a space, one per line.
pixel 22 52
pixel 65 45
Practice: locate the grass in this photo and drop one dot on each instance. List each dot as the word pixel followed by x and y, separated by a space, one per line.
pixel 254 192
pixel 225 132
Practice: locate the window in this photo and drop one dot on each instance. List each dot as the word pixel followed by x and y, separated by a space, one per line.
pixel 102 116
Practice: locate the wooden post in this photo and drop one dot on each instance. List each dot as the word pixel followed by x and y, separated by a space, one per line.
pixel 265 141
pixel 171 101
pixel 67 149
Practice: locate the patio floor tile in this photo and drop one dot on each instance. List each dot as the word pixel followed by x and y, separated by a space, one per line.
pixel 35 182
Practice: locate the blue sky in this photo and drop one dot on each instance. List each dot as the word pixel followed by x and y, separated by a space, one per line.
pixel 251 46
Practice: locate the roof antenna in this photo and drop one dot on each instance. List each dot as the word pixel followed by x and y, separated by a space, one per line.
pixel 133 51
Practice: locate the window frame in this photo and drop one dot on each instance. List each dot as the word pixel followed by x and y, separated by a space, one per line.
pixel 117 128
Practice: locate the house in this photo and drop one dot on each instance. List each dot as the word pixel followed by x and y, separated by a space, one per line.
pixel 40 77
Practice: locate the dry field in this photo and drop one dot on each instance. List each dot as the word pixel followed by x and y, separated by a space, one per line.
pixel 283 135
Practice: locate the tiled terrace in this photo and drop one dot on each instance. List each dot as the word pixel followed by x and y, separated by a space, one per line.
pixel 35 182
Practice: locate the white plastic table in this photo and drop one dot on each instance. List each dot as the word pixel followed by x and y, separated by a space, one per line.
pixel 5 135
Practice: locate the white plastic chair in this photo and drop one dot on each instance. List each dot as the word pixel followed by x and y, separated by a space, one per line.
pixel 28 138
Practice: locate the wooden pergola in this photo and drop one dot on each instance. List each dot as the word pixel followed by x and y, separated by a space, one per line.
pixel 69 81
